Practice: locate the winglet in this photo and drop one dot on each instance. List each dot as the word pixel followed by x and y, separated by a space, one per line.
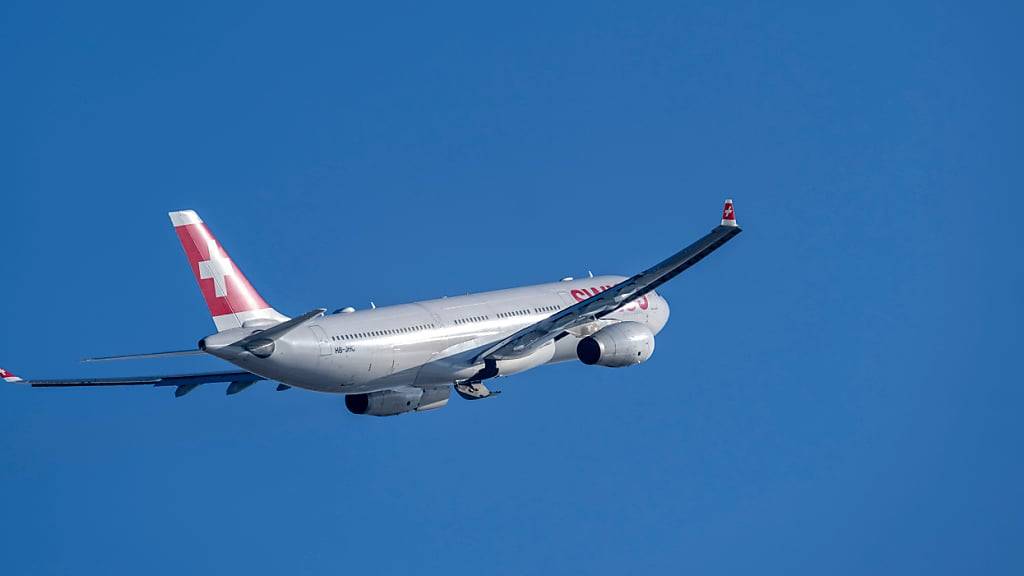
pixel 8 377
pixel 728 214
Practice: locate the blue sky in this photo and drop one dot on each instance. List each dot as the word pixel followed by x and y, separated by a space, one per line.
pixel 836 392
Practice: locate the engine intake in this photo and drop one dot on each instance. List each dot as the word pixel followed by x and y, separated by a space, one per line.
pixel 622 344
pixel 392 402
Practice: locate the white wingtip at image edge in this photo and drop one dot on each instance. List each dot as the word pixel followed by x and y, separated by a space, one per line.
pixel 8 377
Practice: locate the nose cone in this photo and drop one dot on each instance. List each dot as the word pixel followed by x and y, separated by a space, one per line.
pixel 661 313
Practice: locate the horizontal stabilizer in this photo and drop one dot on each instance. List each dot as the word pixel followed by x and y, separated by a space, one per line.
pixel 259 343
pixel 145 355
pixel 278 330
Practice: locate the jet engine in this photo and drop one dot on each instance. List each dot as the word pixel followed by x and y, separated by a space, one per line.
pixel 398 401
pixel 622 344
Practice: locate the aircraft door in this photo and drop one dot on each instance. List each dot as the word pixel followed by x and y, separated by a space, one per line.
pixel 326 349
pixel 567 300
pixel 382 361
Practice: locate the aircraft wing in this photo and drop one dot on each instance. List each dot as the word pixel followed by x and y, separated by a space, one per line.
pixel 530 338
pixel 184 383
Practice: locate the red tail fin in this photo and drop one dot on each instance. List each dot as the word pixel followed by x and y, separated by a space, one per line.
pixel 230 297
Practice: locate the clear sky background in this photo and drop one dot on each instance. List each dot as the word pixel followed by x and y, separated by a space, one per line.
pixel 838 390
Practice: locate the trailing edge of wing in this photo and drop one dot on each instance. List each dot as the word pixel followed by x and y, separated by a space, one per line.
pixel 525 341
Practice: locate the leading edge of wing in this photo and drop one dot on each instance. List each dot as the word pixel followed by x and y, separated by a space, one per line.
pixel 157 380
pixel 526 340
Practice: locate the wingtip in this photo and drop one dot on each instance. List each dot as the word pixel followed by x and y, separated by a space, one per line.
pixel 728 214
pixel 8 377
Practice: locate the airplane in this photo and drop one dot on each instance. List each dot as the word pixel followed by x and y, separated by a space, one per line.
pixel 391 360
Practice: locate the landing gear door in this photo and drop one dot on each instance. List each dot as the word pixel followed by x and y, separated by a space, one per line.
pixel 326 349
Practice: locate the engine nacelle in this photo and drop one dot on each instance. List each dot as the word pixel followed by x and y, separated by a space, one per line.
pixel 392 402
pixel 622 344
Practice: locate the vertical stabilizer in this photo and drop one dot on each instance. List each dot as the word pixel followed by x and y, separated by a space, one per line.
pixel 228 294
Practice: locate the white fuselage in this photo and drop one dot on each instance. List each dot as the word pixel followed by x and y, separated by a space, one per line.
pixel 423 343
